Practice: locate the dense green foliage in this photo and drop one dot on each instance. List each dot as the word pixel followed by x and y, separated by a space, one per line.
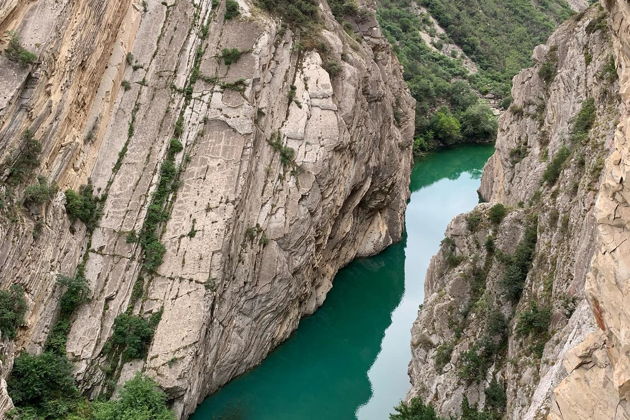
pixel 231 9
pixel 17 53
pixel 414 410
pixel 497 213
pixel 448 110
pixel 297 13
pixel 584 121
pixel 42 386
pixel 76 293
pixel 498 35
pixel 518 265
pixel 83 206
pixel 12 310
pixel 132 335
pixel 26 162
pixel 140 399
pixel 535 320
pixel 552 172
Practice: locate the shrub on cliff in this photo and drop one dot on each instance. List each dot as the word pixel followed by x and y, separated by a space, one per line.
pixel 26 162
pixel 84 206
pixel 414 410
pixel 518 264
pixel 132 335
pixel 17 53
pixel 231 9
pixel 39 193
pixel 497 213
pixel 12 311
pixel 553 170
pixel 584 121
pixel 300 13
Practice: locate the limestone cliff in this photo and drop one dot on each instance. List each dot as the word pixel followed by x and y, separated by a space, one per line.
pixel 525 312
pixel 256 164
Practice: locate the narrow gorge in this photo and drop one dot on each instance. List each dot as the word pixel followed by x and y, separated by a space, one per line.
pixel 197 172
pixel 182 182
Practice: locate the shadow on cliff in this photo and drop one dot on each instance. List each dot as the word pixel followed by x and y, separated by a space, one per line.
pixel 321 371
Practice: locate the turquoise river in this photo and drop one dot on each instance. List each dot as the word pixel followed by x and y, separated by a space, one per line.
pixel 349 360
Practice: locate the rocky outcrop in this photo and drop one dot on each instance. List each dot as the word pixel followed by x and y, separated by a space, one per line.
pixel 295 160
pixel 523 315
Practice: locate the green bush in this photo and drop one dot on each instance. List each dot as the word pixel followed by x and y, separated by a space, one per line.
pixel 132 335
pixel 17 53
pixel 26 162
pixel 518 265
pixel 140 399
pixel 445 127
pixel 479 123
pixel 497 213
pixel 231 9
pixel 473 220
pixel 84 206
pixel 300 13
pixel 58 337
pixel 443 355
pixel 414 410
pixel 553 170
pixel 39 193
pixel 12 310
pixel 496 399
pixel 534 320
pixel 76 293
pixel 231 55
pixel 42 386
pixel 333 67
pixel 549 68
pixel 584 121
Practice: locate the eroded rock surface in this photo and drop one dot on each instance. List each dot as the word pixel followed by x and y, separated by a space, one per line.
pixel 558 347
pixel 294 162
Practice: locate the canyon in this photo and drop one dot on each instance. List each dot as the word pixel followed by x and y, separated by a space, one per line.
pixel 235 171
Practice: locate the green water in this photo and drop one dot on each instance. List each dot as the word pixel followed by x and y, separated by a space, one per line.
pixel 349 360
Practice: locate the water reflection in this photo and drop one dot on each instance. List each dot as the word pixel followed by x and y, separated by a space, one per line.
pixel 350 359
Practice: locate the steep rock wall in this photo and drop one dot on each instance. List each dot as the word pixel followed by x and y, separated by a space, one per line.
pixel 294 163
pixel 508 301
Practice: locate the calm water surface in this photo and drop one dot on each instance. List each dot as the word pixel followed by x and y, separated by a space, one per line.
pixel 349 360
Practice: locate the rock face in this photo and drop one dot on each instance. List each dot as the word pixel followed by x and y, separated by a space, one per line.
pixel 294 162
pixel 535 304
